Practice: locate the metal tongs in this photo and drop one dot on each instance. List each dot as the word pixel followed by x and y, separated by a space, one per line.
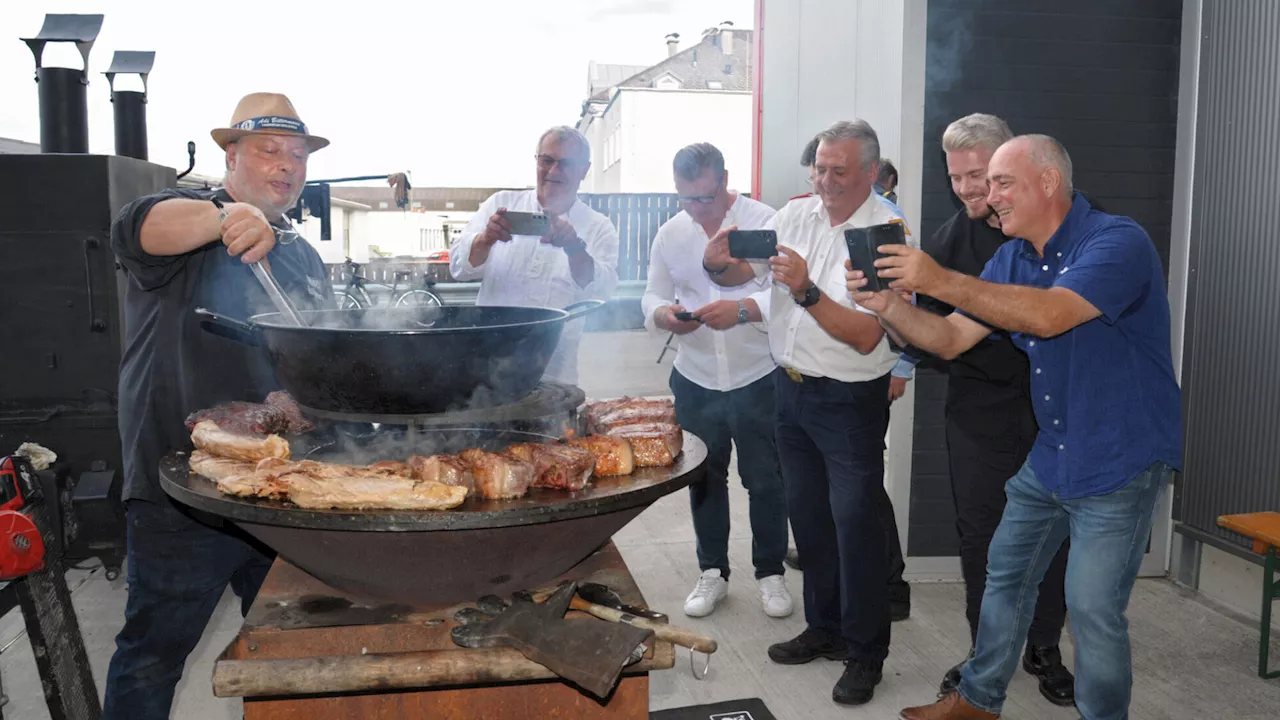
pixel 269 284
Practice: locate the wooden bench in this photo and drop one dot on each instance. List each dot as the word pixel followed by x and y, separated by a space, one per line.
pixel 1264 529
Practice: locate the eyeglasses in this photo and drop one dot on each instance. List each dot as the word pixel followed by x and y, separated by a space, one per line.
pixel 546 162
pixel 701 199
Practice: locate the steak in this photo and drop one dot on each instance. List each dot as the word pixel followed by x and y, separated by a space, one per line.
pixel 562 467
pixel 633 411
pixel 444 469
pixel 613 454
pixel 654 444
pixel 242 418
pixel 295 422
pixel 498 476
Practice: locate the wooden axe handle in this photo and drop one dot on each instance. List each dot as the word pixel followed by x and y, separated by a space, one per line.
pixel 662 631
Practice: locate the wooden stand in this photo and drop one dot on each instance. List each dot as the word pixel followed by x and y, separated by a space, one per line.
pixel 309 652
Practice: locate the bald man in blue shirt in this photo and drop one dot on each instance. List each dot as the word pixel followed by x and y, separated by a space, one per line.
pixel 1082 293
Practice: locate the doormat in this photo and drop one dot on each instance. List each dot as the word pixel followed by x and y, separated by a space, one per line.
pixel 748 709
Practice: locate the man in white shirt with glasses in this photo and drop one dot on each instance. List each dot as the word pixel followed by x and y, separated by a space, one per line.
pixel 576 260
pixel 722 379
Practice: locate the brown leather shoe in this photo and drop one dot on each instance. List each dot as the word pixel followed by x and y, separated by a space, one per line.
pixel 950 707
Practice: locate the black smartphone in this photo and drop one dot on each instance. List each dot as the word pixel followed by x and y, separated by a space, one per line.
pixel 685 316
pixel 862 244
pixel 753 244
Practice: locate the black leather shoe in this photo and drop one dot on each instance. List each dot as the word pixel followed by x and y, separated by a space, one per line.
pixel 792 559
pixel 899 610
pixel 858 683
pixel 808 645
pixel 951 680
pixel 1057 684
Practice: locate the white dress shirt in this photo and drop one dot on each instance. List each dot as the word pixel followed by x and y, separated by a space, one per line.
pixel 525 272
pixel 720 360
pixel 796 339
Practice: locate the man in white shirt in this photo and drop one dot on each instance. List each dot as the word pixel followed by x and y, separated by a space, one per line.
pixel 577 260
pixel 721 379
pixel 832 395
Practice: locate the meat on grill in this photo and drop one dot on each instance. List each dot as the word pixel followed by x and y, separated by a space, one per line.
pixel 237 477
pixel 498 476
pixel 631 412
pixel 444 469
pixel 562 467
pixel 294 420
pixel 654 444
pixel 613 454
pixel 242 418
pixel 213 439
pixel 319 485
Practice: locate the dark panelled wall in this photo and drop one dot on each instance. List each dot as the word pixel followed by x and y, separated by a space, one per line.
pixel 1231 394
pixel 1099 75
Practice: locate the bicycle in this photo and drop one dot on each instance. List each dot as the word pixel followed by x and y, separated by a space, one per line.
pixel 355 295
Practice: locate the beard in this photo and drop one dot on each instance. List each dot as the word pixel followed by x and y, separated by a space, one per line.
pixel 984 213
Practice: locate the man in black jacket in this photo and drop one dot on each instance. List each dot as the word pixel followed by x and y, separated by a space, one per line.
pixel 990 425
pixel 181 251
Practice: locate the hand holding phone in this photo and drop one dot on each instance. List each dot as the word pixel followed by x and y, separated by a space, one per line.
pixel 753 244
pixel 684 316
pixel 862 244
pixel 528 223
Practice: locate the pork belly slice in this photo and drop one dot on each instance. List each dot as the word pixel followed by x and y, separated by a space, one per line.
pixel 211 438
pixel 236 477
pixel 613 454
pixel 366 490
pixel 498 476
pixel 654 444
pixel 562 467
pixel 443 469
pixel 601 415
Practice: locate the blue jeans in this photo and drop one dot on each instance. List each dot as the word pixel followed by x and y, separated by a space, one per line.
pixel 742 418
pixel 178 570
pixel 831 443
pixel 1108 539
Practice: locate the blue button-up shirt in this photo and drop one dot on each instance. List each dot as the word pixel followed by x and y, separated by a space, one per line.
pixel 1104 392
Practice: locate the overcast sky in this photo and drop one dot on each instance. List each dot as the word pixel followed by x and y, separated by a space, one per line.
pixel 455 92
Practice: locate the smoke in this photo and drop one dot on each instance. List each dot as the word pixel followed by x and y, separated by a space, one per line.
pixel 365 444
pixel 949 40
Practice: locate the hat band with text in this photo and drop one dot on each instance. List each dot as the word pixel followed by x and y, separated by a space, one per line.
pixel 272 122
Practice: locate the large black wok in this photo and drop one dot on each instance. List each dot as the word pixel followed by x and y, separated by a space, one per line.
pixel 394 361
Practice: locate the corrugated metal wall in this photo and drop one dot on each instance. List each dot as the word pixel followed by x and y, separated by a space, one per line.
pixel 1231 387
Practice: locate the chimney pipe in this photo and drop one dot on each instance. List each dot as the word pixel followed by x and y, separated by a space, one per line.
pixel 130 106
pixel 726 37
pixel 64 108
pixel 673 44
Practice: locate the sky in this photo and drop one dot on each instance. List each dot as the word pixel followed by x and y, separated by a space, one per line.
pixel 455 92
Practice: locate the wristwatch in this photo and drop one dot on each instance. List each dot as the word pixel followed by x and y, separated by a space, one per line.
pixel 743 315
pixel 811 297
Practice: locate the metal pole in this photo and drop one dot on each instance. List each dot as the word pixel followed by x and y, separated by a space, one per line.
pixel 64 110
pixel 130 109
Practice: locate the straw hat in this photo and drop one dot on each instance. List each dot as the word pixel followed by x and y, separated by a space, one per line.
pixel 265 114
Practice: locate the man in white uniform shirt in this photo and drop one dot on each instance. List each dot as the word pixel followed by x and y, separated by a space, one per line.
pixel 832 395
pixel 721 379
pixel 577 260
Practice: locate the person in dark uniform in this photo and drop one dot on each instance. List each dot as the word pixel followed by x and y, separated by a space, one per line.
pixel 180 252
pixel 990 423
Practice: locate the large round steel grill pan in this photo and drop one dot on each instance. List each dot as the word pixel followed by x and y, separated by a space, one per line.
pixel 440 557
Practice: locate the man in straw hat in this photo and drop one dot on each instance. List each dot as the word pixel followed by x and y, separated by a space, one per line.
pixel 182 251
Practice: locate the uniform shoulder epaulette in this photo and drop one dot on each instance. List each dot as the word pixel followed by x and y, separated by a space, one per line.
pixel 801 197
pixel 903 223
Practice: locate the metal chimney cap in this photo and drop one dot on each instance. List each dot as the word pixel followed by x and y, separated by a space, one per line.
pixel 80 29
pixel 131 61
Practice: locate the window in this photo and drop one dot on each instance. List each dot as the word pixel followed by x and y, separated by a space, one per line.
pixel 715 85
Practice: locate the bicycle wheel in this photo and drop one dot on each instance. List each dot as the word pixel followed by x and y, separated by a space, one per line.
pixel 347 301
pixel 419 298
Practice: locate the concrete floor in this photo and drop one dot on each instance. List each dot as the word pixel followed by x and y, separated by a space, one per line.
pixel 1191 659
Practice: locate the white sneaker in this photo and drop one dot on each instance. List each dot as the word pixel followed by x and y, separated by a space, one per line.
pixel 775 597
pixel 711 589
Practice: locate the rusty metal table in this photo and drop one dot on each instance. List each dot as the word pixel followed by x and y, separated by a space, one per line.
pixel 309 652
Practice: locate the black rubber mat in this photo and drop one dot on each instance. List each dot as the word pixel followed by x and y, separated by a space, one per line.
pixel 747 709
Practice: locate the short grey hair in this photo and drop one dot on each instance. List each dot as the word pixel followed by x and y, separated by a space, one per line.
pixel 859 130
pixel 1047 152
pixel 563 133
pixel 691 161
pixel 810 154
pixel 978 130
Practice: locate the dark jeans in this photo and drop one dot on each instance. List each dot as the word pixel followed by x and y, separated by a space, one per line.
pixel 980 467
pixel 831 444
pixel 741 418
pixel 899 589
pixel 1109 535
pixel 178 570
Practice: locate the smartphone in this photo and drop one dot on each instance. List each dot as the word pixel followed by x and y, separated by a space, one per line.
pixel 684 316
pixel 753 244
pixel 862 244
pixel 528 223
